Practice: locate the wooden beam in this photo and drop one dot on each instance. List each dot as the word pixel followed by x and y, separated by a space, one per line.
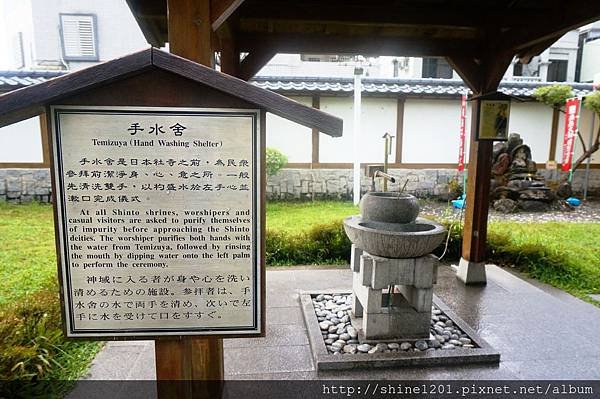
pixel 230 54
pixel 29 101
pixel 456 16
pixel 220 10
pixel 190 358
pixel 316 103
pixel 346 44
pixel 254 61
pixel 555 22
pixel 399 129
pixel 468 68
pixel 190 32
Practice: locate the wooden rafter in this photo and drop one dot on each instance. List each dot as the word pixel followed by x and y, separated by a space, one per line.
pixel 221 10
pixel 254 61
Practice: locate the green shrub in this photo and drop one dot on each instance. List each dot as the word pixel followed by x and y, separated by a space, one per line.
pixel 554 95
pixel 33 349
pixel 322 244
pixel 275 161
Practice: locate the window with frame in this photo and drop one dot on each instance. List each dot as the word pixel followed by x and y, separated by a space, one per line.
pixel 557 71
pixel 434 67
pixel 79 37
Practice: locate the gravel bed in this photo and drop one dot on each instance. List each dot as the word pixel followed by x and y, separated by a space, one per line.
pixel 340 337
pixel 587 212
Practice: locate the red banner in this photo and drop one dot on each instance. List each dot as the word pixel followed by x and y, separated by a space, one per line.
pixel 571 119
pixel 461 143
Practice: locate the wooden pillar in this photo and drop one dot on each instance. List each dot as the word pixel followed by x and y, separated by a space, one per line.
pixel 478 188
pixel 185 364
pixel 45 132
pixel 190 32
pixel 483 75
pixel 553 134
pixel 471 269
pixel 316 103
pixel 399 129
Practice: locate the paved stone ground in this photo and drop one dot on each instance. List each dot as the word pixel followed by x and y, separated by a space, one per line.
pixel 586 212
pixel 541 332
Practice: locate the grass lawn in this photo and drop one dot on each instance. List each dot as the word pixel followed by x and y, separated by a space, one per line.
pixel 31 342
pixel 295 217
pixel 27 254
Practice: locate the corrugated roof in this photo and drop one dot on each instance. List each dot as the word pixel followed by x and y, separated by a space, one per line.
pixel 421 87
pixel 11 80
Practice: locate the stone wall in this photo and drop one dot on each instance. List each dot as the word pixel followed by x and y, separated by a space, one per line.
pixel 22 185
pixel 306 184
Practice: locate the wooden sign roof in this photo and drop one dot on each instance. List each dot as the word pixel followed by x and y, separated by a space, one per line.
pixel 31 101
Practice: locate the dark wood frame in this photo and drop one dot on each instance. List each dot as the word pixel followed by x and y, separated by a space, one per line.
pixel 482 102
pixel 90 100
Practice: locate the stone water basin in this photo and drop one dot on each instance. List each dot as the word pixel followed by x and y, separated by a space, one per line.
pixel 389 207
pixel 395 240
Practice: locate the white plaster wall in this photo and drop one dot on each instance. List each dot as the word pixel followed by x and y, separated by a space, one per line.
pixel 118 32
pixel 432 131
pixel 21 142
pixel 294 140
pixel 533 121
pixel 585 127
pixel 590 61
pixel 378 116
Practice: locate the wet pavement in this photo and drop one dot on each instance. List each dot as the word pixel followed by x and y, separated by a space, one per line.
pixel 541 333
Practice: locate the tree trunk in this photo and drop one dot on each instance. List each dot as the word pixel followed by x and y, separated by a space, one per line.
pixel 589 151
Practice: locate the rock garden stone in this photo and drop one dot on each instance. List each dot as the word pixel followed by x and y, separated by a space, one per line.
pixel 364 348
pixel 340 337
pixel 421 345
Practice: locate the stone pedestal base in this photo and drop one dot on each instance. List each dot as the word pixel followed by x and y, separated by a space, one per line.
pixel 471 273
pixel 405 312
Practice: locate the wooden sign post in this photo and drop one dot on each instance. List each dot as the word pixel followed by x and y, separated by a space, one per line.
pixel 158 186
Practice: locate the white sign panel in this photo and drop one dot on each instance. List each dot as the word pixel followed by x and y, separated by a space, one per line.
pixel 158 220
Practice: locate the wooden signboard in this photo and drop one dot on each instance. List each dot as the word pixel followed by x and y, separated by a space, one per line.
pixel 159 213
pixel 158 183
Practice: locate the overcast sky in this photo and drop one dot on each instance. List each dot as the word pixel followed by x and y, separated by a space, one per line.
pixel 15 16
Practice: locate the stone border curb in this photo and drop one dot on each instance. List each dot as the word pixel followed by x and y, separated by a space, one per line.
pixel 484 353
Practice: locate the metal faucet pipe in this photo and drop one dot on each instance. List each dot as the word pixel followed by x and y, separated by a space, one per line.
pixel 379 173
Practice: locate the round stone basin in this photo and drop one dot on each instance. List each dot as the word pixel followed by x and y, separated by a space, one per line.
pixel 395 240
pixel 389 207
